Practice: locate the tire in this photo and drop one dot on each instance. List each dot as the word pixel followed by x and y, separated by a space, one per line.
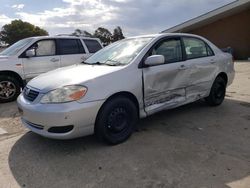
pixel 217 93
pixel 116 120
pixel 9 88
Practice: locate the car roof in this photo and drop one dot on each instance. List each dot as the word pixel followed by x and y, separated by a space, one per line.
pixel 63 37
pixel 165 35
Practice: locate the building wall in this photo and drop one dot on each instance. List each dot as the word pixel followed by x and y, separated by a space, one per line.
pixel 232 31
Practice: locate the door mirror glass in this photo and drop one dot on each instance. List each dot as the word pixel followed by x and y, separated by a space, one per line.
pixel 155 60
pixel 30 53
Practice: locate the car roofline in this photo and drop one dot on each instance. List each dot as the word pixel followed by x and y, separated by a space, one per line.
pixel 164 35
pixel 63 37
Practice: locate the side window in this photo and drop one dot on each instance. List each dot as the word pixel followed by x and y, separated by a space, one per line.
pixel 45 48
pixel 92 45
pixel 81 48
pixel 170 49
pixel 70 46
pixel 196 48
pixel 209 51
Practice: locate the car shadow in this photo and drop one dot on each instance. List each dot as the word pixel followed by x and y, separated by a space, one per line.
pixel 190 146
pixel 9 110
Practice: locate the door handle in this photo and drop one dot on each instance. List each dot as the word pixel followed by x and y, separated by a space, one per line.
pixel 183 67
pixel 54 60
pixel 212 61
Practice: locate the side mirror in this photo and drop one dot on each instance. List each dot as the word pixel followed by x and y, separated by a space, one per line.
pixel 155 60
pixel 30 53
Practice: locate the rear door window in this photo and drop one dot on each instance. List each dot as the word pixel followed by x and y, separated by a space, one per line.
pixel 92 45
pixel 70 46
pixel 196 48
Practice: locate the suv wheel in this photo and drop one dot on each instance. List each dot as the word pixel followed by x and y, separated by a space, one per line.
pixel 217 93
pixel 9 89
pixel 116 120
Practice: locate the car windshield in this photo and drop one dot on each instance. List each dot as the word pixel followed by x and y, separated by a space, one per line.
pixel 119 53
pixel 16 47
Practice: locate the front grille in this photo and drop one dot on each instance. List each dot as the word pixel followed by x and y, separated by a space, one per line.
pixel 30 94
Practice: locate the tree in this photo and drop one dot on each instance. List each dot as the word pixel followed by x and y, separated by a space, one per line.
pixel 18 30
pixel 82 33
pixel 117 34
pixel 104 35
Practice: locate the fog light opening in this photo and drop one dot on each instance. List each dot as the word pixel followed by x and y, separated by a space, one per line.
pixel 63 129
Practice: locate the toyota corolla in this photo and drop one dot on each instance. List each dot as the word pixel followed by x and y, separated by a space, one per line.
pixel 127 80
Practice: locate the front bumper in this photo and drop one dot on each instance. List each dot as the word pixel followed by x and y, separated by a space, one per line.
pixel 231 76
pixel 39 118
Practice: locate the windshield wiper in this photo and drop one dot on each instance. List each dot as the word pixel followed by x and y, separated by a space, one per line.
pixel 96 63
pixel 115 63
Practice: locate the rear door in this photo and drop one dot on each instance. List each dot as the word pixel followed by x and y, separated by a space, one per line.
pixel 45 58
pixel 203 67
pixel 164 85
pixel 71 51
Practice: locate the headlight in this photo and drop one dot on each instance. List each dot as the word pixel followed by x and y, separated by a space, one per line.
pixel 65 94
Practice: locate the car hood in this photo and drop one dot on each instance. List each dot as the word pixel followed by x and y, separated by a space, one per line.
pixel 3 58
pixel 71 75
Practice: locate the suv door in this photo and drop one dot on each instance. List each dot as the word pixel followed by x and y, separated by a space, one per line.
pixel 71 51
pixel 202 64
pixel 164 85
pixel 45 58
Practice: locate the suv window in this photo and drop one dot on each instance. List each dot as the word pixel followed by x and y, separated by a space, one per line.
pixel 170 49
pixel 70 46
pixel 196 48
pixel 92 45
pixel 45 48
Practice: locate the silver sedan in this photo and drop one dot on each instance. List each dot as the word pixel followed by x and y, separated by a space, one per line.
pixel 127 80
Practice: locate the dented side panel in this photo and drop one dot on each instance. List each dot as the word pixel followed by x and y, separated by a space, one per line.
pixel 168 86
pixel 202 73
pixel 164 86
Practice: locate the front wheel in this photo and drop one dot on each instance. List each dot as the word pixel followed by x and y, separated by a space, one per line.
pixel 9 89
pixel 116 120
pixel 217 93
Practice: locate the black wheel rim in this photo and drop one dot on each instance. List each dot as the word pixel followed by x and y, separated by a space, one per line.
pixel 7 89
pixel 219 91
pixel 118 121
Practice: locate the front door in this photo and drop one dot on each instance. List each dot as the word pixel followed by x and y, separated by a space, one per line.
pixel 45 59
pixel 164 85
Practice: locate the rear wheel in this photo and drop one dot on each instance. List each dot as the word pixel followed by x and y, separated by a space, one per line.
pixel 217 93
pixel 116 120
pixel 9 89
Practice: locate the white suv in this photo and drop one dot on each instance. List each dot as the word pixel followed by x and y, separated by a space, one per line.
pixel 30 57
